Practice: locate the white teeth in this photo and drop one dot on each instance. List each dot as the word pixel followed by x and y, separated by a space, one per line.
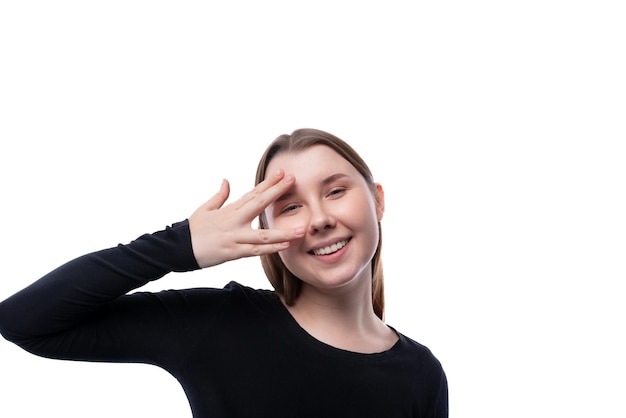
pixel 330 248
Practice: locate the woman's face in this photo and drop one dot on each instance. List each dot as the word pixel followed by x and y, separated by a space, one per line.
pixel 339 212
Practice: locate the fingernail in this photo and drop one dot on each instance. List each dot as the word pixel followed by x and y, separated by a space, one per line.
pixel 278 172
pixel 299 231
pixel 289 178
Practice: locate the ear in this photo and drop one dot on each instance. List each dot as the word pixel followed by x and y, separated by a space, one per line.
pixel 380 202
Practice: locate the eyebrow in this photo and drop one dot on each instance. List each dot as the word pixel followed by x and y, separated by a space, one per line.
pixel 328 180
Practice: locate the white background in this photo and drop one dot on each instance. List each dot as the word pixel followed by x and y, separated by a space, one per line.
pixel 496 128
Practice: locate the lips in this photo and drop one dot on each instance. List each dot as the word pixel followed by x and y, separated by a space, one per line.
pixel 329 249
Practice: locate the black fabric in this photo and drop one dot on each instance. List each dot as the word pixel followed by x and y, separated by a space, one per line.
pixel 236 351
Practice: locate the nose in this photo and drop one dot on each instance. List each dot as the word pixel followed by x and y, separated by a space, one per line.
pixel 321 219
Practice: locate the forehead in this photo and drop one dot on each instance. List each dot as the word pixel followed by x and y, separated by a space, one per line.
pixel 311 161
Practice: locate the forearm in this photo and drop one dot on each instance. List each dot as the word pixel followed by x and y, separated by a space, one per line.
pixel 65 296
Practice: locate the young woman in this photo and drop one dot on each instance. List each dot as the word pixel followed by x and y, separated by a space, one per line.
pixel 316 346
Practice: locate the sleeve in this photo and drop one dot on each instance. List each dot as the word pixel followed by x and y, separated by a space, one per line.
pixel 430 385
pixel 81 310
pixel 439 406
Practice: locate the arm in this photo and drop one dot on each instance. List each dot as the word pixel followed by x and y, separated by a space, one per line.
pixel 67 295
pixel 82 300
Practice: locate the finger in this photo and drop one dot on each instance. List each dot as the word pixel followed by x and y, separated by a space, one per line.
pixel 266 243
pixel 269 181
pixel 259 189
pixel 218 198
pixel 261 200
pixel 269 236
pixel 263 249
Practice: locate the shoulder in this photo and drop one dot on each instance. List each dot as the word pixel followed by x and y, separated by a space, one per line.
pixel 233 295
pixel 415 348
pixel 203 298
pixel 259 300
pixel 419 358
pixel 427 376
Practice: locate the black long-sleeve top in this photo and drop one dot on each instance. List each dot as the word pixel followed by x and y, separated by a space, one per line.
pixel 236 351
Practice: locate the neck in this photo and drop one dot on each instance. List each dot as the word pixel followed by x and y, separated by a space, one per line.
pixel 342 318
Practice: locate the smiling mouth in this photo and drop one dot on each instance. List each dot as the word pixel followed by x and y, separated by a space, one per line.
pixel 331 248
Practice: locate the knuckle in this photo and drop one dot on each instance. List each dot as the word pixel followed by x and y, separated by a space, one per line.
pixel 263 234
pixel 258 189
pixel 260 201
pixel 256 250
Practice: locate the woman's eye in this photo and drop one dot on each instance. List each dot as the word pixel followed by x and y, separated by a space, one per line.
pixel 336 192
pixel 289 208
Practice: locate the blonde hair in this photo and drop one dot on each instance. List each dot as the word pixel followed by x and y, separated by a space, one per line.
pixel 283 281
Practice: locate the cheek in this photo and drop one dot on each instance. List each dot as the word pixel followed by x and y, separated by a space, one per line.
pixel 290 257
pixel 362 212
pixel 366 221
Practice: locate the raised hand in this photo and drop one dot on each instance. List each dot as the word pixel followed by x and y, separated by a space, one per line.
pixel 220 234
